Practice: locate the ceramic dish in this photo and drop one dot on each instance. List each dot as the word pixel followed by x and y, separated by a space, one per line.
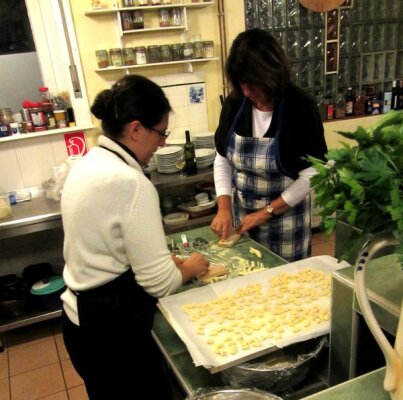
pixel 175 218
pixel 193 207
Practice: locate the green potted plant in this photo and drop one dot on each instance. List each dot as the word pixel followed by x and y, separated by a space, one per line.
pixel 363 184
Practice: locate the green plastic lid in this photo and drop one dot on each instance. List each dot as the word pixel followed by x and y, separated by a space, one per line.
pixel 48 285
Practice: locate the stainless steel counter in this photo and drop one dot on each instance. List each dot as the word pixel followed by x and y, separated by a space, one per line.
pixel 39 214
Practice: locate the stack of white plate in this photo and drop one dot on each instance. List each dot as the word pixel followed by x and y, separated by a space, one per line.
pixel 203 140
pixel 175 142
pixel 204 157
pixel 167 157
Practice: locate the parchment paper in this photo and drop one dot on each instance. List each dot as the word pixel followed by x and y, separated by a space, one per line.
pixel 201 352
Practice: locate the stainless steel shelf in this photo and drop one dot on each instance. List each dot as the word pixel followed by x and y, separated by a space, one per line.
pixel 29 318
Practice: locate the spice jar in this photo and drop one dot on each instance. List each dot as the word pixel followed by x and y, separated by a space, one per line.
pixel 141 55
pixel 127 20
pixel 138 19
pixel 102 58
pixel 176 16
pixel 129 58
pixel 198 49
pixel 37 117
pixel 116 57
pixel 208 49
pixel 187 50
pixel 61 118
pixel 153 53
pixel 165 51
pixel 176 51
pixel 164 17
pixel 6 117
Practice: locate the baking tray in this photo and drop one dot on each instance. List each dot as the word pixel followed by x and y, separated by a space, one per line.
pixel 202 353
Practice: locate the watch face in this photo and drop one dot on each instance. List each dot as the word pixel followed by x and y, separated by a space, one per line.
pixel 269 209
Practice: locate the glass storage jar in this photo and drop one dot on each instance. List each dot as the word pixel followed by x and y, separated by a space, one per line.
pixel 143 3
pixel 187 50
pixel 164 17
pixel 127 20
pixel 141 55
pixel 208 49
pixel 129 58
pixel 165 51
pixel 138 19
pixel 153 53
pixel 116 57
pixel 176 50
pixel 198 49
pixel 176 16
pixel 102 58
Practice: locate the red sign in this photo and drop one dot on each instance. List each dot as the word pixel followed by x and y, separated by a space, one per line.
pixel 76 144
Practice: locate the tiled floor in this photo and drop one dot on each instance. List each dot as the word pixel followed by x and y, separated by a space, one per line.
pixel 35 364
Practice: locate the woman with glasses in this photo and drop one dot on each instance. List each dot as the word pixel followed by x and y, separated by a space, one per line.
pixel 117 260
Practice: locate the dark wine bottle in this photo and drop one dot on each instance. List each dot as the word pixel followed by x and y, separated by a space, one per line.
pixel 190 155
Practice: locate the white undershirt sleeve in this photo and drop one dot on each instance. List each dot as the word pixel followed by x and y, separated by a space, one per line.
pixel 299 189
pixel 222 176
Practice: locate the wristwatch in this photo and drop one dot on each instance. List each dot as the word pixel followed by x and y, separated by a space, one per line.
pixel 270 209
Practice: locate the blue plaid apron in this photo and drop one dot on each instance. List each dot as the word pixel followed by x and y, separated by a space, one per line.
pixel 258 181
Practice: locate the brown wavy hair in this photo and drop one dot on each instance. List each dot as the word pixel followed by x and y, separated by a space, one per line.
pixel 257 57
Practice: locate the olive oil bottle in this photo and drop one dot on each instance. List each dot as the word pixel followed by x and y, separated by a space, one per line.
pixel 190 155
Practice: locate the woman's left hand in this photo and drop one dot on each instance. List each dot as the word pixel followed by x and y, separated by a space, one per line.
pixel 251 220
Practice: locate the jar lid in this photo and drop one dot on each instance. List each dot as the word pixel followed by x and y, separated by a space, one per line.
pixel 48 285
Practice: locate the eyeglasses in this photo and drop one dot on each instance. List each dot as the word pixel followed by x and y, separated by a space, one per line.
pixel 164 134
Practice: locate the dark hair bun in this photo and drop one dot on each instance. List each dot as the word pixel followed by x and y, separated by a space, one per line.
pixel 102 107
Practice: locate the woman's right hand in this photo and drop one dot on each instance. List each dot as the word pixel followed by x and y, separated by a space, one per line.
pixel 222 224
pixel 195 265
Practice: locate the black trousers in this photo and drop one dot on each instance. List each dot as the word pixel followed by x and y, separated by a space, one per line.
pixel 116 366
pixel 112 349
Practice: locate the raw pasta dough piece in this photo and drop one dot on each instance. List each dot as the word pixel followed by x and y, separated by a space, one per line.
pixel 232 238
pixel 214 271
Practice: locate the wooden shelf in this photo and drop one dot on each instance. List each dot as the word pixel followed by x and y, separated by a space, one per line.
pixel 104 11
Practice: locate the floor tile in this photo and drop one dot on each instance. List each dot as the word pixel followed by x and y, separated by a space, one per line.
pixel 78 393
pixel 4 372
pixel 61 348
pixel 33 356
pixel 37 383
pixel 57 396
pixel 71 377
pixel 4 389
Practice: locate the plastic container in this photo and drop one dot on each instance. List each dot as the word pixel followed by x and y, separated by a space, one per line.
pixel 46 293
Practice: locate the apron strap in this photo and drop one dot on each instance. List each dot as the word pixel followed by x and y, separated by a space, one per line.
pixel 234 122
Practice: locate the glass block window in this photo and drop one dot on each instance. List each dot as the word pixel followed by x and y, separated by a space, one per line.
pixel 370 42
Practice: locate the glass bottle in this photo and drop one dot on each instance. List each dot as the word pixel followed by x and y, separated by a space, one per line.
pixel 349 102
pixel 395 95
pixel 340 106
pixel 320 101
pixel 359 105
pixel 190 155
